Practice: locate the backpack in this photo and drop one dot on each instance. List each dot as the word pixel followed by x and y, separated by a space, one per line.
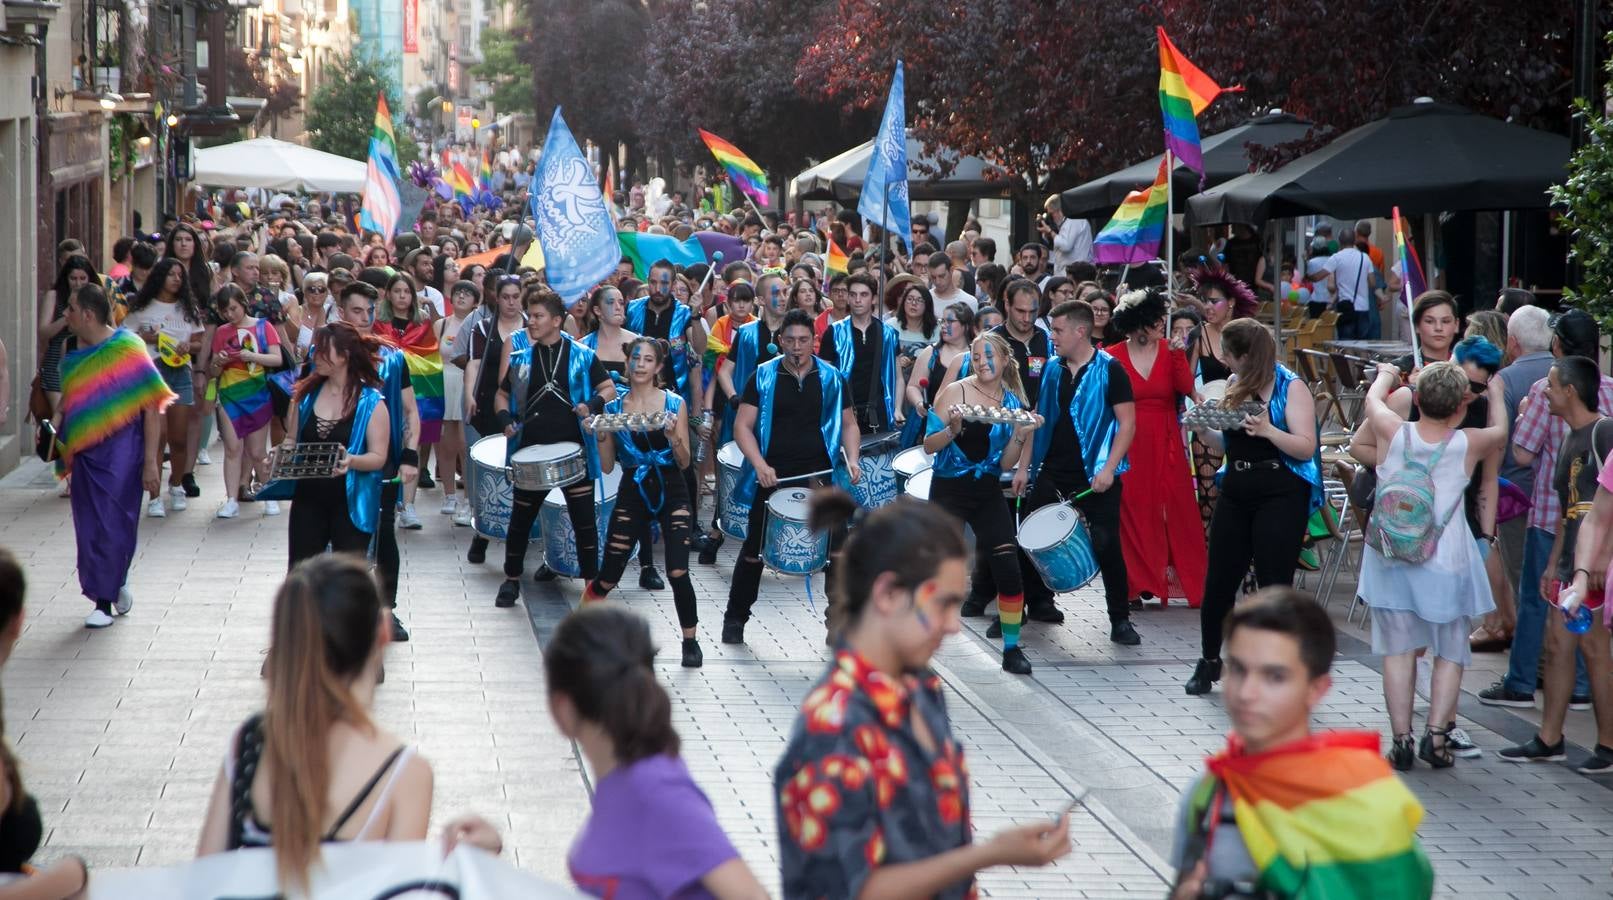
pixel 1404 525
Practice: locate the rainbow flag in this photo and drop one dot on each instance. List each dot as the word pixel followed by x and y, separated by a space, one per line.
pixel 746 174
pixel 106 387
pixel 424 357
pixel 1184 92
pixel 1411 268
pixel 484 177
pixel 243 388
pixel 1133 235
pixel 381 207
pixel 1324 817
pixel 836 261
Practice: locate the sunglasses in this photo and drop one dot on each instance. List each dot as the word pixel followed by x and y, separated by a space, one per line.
pixel 1477 387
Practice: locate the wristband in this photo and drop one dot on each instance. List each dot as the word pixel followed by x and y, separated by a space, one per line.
pixel 1577 571
pixel 596 404
pixel 409 458
pixel 504 418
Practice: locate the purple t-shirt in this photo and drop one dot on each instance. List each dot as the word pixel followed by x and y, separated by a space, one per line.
pixel 656 809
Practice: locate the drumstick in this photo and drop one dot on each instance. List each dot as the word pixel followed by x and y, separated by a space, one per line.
pixel 716 257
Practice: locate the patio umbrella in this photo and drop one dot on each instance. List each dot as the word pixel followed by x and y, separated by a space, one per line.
pixel 1425 158
pixel 1226 156
pixel 840 178
pixel 277 166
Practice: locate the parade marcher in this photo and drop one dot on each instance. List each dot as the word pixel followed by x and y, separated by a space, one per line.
pixel 740 306
pixel 313 767
pixel 943 362
pixel 1271 483
pixel 970 459
pixel 358 303
pixel 879 707
pixel 600 670
pixel 1225 298
pixel 772 431
pixel 548 389
pixel 244 350
pixel 754 343
pixel 1284 808
pixel 863 348
pixel 652 487
pixel 494 337
pixel 1159 520
pixel 169 320
pixel 339 511
pixel 1090 427
pixel 463 299
pixel 405 325
pixel 1571 390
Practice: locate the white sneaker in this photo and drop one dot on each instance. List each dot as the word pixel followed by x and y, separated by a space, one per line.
pixel 97 619
pixel 125 601
pixel 64 488
pixel 156 510
pixel 449 506
pixel 177 501
pixel 408 519
pixel 229 510
pixel 271 508
pixel 202 459
pixel 462 514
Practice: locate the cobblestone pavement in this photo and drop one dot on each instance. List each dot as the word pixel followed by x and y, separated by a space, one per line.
pixel 122 731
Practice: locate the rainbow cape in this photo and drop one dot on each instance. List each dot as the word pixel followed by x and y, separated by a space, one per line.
pixel 1184 92
pixel 1324 818
pixel 421 351
pixel 105 388
pixel 1133 235
pixel 746 174
pixel 243 388
pixel 719 341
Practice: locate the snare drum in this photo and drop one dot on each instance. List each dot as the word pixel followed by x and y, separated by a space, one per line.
pixel 790 547
pixel 491 494
pixel 1055 539
pixel 908 463
pixel 918 486
pixel 542 467
pixel 560 539
pixel 878 483
pixel 733 514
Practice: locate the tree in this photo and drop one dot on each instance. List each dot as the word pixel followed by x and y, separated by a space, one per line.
pixel 1588 212
pixel 501 66
pixel 269 78
pixel 341 113
pixel 584 59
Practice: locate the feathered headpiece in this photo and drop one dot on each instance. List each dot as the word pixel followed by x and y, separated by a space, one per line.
pixel 1136 310
pixel 1208 275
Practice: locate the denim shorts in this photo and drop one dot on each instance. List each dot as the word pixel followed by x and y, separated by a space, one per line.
pixel 179 381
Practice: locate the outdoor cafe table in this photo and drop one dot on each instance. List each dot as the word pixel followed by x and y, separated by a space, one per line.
pixel 1385 351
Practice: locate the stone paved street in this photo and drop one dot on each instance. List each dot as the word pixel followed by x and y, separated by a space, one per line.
pixel 122 731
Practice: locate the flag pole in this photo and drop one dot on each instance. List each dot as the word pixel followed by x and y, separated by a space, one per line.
pixel 1405 287
pixel 1170 223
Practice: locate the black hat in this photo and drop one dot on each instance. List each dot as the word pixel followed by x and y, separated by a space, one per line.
pixel 1577 333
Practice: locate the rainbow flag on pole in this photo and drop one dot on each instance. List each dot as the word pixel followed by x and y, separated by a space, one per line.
pixel 1133 235
pixel 1184 92
pixel 1324 817
pixel 381 207
pixel 746 174
pixel 1411 268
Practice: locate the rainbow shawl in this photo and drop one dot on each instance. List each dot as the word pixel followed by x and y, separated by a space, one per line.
pixel 1324 818
pixel 420 350
pixel 105 388
pixel 243 388
pixel 719 342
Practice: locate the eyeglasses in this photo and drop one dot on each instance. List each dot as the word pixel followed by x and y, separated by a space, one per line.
pixel 316 289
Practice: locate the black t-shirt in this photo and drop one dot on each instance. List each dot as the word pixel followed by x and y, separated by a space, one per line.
pixel 1064 461
pixel 548 416
pixel 1578 463
pixel 796 445
pixel 867 346
pixel 1032 358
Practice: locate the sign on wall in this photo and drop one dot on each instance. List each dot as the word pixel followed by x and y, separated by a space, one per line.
pixel 411 26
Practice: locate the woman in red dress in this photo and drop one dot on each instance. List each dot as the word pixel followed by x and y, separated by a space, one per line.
pixel 1159 516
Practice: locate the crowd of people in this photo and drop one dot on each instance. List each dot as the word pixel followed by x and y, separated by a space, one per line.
pixel 804 405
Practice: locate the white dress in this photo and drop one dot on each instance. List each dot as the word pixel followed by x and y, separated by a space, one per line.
pixel 1432 603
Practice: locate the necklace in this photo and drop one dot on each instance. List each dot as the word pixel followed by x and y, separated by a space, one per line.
pixel 987 394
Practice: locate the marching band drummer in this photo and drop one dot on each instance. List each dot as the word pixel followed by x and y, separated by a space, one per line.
pixel 1091 420
pixel 652 486
pixel 863 348
pixel 755 342
pixel 970 458
pixel 770 428
pixel 549 388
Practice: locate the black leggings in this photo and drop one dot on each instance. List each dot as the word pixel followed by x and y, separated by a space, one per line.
pixel 978 502
pixel 1259 517
pixel 1102 514
pixel 317 522
pixel 579 506
pixel 632 514
pixel 386 543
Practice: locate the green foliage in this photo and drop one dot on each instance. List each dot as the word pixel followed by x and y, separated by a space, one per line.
pixel 341 113
pixel 1588 213
pixel 502 67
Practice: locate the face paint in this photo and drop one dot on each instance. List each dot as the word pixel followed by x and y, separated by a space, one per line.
pixel 987 359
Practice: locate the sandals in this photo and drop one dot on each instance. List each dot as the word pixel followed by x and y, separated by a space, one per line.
pixel 1402 753
pixel 1439 757
pixel 1486 639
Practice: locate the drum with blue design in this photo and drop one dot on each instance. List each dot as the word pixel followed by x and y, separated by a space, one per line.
pixel 1056 540
pixel 487 481
pixel 733 514
pixel 790 547
pixel 878 484
pixel 560 539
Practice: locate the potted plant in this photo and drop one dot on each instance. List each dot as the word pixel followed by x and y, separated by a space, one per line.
pixel 108 71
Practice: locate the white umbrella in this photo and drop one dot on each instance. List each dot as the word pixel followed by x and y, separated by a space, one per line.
pixel 277 166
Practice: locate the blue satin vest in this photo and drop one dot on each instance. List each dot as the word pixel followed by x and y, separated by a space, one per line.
pixel 828 423
pixel 646 463
pixel 578 389
pixel 363 488
pixel 394 371
pixel 1277 409
pixel 951 463
pixel 1090 412
pixel 638 311
pixel 846 349
pixel 745 354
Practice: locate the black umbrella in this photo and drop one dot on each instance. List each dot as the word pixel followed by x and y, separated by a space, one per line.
pixel 1226 156
pixel 1425 158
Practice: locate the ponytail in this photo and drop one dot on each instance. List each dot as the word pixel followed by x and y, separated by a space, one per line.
pixel 602 659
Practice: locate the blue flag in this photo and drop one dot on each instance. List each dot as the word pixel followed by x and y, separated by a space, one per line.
pixel 573 226
pixel 887 169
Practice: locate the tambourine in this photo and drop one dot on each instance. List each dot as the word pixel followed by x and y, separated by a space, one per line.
pixel 628 422
pixel 995 415
pixel 1214 417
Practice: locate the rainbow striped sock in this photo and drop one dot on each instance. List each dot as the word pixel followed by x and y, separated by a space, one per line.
pixel 590 594
pixel 1011 610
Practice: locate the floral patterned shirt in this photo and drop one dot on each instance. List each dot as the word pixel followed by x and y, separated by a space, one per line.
pixel 856 790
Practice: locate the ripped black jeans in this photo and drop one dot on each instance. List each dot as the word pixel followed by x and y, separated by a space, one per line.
pixel 579 506
pixel 630 522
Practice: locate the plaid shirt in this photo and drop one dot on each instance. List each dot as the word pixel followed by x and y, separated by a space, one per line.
pixel 1541 433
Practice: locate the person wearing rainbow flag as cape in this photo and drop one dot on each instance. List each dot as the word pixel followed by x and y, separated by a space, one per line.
pixel 113 400
pixel 1284 812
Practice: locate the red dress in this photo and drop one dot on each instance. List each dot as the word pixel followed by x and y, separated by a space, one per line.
pixel 1159 513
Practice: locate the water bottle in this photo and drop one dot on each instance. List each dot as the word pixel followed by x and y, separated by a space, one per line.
pixel 1576 614
pixel 701 444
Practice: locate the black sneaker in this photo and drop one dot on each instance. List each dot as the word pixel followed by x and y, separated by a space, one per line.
pixel 1461 743
pixel 425 482
pixel 995 629
pixel 733 632
pixel 650 580
pixel 1499 695
pixel 192 489
pixel 708 553
pixel 478 551
pixel 1580 702
pixel 507 594
pixel 1600 762
pixel 1048 614
pixel 1535 750
pixel 974 607
pixel 544 573
pixel 1014 661
pixel 692 657
pixel 1123 632
pixel 400 634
